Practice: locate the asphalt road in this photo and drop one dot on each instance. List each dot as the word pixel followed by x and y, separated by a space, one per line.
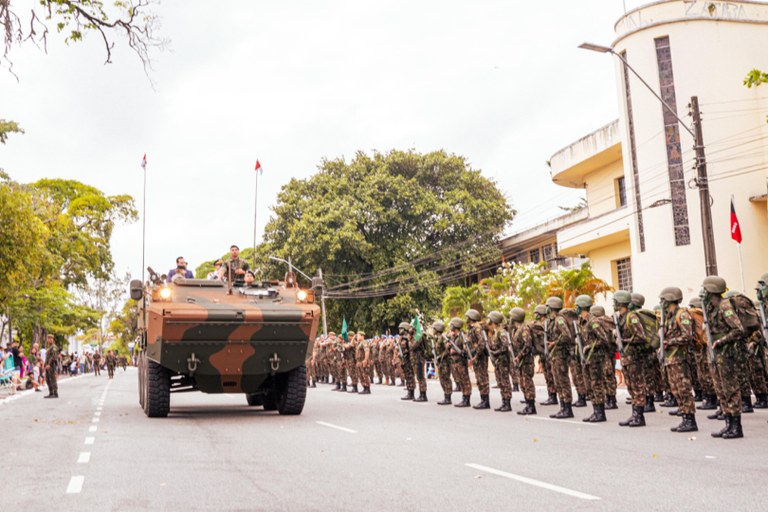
pixel 93 449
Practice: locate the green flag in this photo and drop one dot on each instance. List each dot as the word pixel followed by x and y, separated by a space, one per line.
pixel 417 327
pixel 345 331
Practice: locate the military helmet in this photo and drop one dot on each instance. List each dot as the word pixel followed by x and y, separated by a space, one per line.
pixel 473 315
pixel 438 326
pixel 404 326
pixel 637 299
pixel 731 293
pixel 517 314
pixel 695 302
pixel 763 279
pixel 456 323
pixel 714 284
pixel 540 310
pixel 622 297
pixel 597 310
pixel 584 301
pixel 671 294
pixel 554 303
pixel 496 317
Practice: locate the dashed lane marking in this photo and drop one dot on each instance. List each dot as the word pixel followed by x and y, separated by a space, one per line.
pixel 331 425
pixel 93 428
pixel 89 440
pixel 75 484
pixel 84 458
pixel 533 482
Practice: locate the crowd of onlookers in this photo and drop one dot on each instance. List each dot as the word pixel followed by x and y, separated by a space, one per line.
pixel 20 370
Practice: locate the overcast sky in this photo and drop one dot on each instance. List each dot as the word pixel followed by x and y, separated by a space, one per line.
pixel 292 82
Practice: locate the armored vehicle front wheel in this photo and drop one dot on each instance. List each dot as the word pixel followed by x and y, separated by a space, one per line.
pixel 254 399
pixel 157 389
pixel 292 392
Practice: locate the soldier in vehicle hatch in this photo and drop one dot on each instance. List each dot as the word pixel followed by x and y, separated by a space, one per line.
pixel 234 267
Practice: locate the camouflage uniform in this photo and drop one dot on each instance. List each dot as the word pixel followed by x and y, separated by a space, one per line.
pixel 498 343
pixel 634 356
pixel 405 363
pixel 337 358
pixel 111 361
pixel 609 365
pixel 522 343
pixel 460 365
pixel 375 357
pixel 595 343
pixel 416 349
pixel 560 354
pixel 678 339
pixel 51 369
pixel 97 363
pixel 480 362
pixel 727 333
pixel 363 358
pixel 443 361
pixel 537 331
pixel 349 361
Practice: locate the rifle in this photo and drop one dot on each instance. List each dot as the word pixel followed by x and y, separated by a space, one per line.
pixel 452 344
pixel 579 344
pixel 662 355
pixel 487 348
pixel 546 339
pixel 400 349
pixel 708 332
pixel 467 348
pixel 508 343
pixel 619 340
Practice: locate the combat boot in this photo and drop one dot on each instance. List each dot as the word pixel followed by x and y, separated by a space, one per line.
pixel 581 402
pixel 464 402
pixel 735 431
pixel 698 395
pixel 761 402
pixel 352 389
pixel 610 402
pixel 445 401
pixel 366 390
pixel 344 387
pixel 381 380
pixel 658 397
pixel 709 403
pixel 649 406
pixel 717 416
pixel 552 400
pixel 314 384
pixel 408 396
pixel 565 411
pixel 422 397
pixel 338 387
pixel 687 425
pixel 746 404
pixel 670 401
pixel 515 388
pixel 675 412
pixel 639 420
pixel 726 428
pixel 629 420
pixel 484 403
pixel 506 406
pixel 530 408
pixel 392 381
pixel 598 415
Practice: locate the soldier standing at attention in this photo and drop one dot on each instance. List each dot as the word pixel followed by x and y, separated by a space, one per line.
pixel 111 361
pixel 560 352
pixel 375 353
pixel 678 342
pixel 696 310
pixel 363 358
pixel 727 340
pixel 442 360
pixel 539 338
pixel 336 356
pixel 522 342
pixel 476 342
pixel 609 364
pixel 417 349
pixel 405 360
pixel 51 367
pixel 595 342
pixel 350 362
pixel 459 360
pixel 498 344
pixel 97 363
pixel 632 333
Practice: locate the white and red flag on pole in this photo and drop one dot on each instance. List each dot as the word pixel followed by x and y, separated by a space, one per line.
pixel 735 227
pixel 144 162
pixel 258 168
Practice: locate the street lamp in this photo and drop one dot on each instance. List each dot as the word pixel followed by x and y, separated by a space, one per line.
pixel 707 231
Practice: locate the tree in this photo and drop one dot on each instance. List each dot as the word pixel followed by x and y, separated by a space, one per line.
pixel 133 19
pixel 124 326
pixel 389 230
pixel 7 127
pixel 755 78
pixel 105 296
pixel 571 283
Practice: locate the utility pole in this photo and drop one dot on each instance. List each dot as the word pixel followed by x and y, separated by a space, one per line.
pixel 702 181
pixel 322 300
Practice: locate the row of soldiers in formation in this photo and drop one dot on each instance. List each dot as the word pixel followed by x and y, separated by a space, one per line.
pixel 713 351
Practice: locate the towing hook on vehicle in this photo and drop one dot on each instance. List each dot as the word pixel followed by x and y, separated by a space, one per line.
pixel 192 363
pixel 274 362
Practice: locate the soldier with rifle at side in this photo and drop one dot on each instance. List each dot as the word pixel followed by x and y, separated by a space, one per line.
pixel 479 353
pixel 593 342
pixel 631 333
pixel 653 378
pixel 499 349
pixel 609 365
pixel 459 360
pixel 522 357
pixel 403 350
pixel 703 368
pixel 363 361
pixel 350 362
pixel 417 349
pixel 442 357
pixel 559 348
pixel 538 331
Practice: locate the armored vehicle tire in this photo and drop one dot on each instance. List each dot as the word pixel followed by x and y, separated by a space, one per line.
pixel 157 395
pixel 270 401
pixel 142 376
pixel 254 399
pixel 293 392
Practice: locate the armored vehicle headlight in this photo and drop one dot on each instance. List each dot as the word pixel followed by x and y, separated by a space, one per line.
pixel 301 295
pixel 165 293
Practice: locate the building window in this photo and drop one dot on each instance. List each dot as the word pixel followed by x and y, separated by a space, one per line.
pixel 535 256
pixel 672 137
pixel 633 158
pixel 624 274
pixel 548 253
pixel 621 193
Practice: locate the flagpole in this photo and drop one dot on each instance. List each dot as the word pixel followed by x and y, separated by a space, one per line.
pixel 255 212
pixel 144 220
pixel 738 245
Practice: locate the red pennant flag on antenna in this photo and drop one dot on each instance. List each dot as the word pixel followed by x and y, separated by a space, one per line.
pixel 258 166
pixel 735 227
pixel 144 162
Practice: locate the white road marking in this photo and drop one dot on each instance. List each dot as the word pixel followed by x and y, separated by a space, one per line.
pixel 93 428
pixel 95 420
pixel 535 483
pixel 97 413
pixel 99 408
pixel 84 458
pixel 331 425
pixel 75 484
pixel 709 456
pixel 89 440
pixel 575 422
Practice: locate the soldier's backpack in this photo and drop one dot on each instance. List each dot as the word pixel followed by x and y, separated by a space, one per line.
pixel 610 328
pixel 747 313
pixel 570 316
pixel 699 336
pixel 650 326
pixel 537 333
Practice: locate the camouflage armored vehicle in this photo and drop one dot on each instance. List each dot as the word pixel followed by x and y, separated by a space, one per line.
pixel 201 335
